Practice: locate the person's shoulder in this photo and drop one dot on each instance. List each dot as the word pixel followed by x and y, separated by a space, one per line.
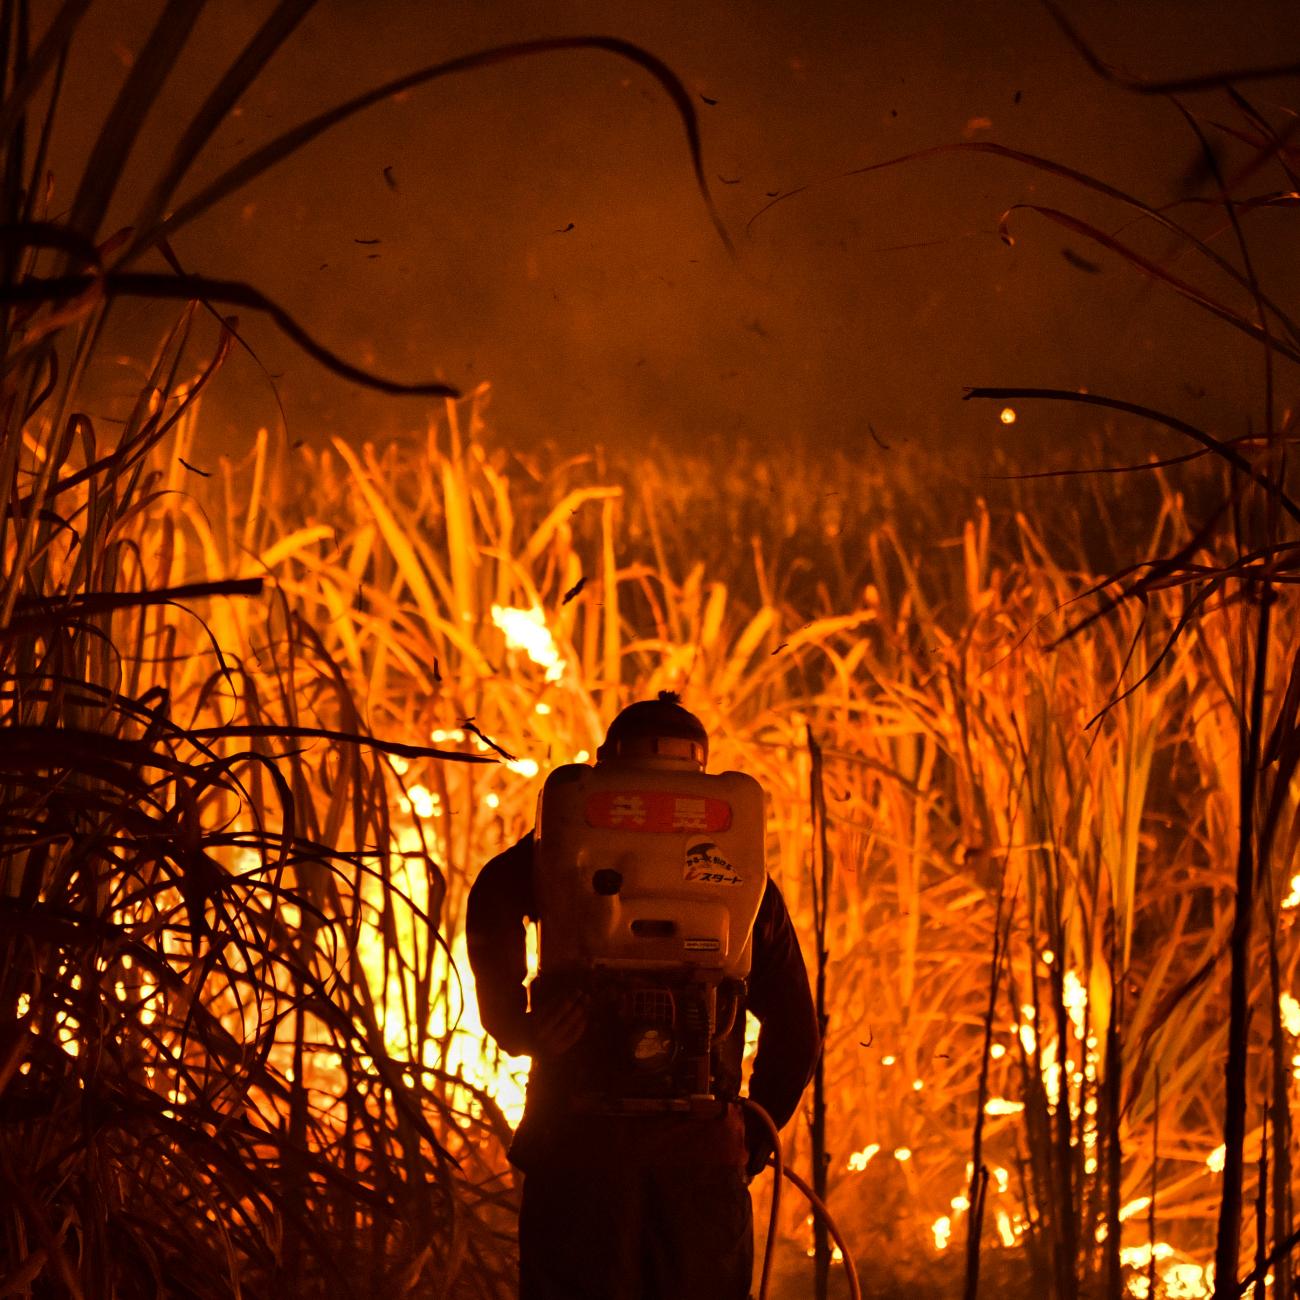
pixel 508 876
pixel 773 926
pixel 771 907
pixel 511 866
pixel 518 856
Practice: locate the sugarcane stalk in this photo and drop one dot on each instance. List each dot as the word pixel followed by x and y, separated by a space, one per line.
pixel 1114 1146
pixel 1227 1254
pixel 979 1174
pixel 821 892
pixel 1155 1181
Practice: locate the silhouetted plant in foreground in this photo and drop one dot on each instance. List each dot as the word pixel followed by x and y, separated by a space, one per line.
pixel 1234 578
pixel 218 954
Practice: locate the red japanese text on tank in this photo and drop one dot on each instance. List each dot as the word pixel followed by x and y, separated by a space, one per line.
pixel 656 811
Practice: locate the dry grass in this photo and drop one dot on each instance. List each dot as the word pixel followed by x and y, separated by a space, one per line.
pixel 300 1044
pixel 249 713
pixel 959 762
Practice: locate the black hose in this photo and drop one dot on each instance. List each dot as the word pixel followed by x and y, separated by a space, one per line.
pixel 818 1206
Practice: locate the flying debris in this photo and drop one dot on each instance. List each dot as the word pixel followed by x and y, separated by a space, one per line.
pixel 467 724
pixel 1082 263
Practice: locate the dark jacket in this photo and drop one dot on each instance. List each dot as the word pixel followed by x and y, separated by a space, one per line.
pixel 778 996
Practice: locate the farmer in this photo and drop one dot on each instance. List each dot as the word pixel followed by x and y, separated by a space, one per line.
pixel 641 1199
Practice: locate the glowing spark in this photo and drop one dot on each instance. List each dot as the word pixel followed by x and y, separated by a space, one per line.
pixel 1001 1106
pixel 942 1229
pixel 1075 997
pixel 1290 1010
pixel 859 1160
pixel 902 1154
pixel 526 630
pixel 526 767
pixel 887 1060
pixel 1134 1207
pixel 532 952
pixel 960 1204
pixel 1008 415
pixel 492 799
pixel 1005 1229
pixel 1293 898
pixel 1216 1158
pixel 917 1085
pixel 423 801
pixel 997 1051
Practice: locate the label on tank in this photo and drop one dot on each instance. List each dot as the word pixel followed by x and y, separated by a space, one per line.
pixel 656 811
pixel 707 865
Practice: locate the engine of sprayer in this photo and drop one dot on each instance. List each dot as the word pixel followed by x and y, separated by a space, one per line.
pixel 647 883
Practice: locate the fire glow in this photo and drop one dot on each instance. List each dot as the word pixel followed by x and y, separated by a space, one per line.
pixel 540 689
pixel 526 630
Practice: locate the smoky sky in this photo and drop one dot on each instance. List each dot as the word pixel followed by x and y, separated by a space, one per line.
pixel 536 226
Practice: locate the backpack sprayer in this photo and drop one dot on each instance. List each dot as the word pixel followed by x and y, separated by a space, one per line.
pixel 648 874
pixel 648 879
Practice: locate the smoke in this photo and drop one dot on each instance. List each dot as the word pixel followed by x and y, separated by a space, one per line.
pixel 536 226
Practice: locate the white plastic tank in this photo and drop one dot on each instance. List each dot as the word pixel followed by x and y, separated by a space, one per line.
pixel 644 869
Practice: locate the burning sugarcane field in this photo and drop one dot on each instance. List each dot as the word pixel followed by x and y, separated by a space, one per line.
pixel 649 652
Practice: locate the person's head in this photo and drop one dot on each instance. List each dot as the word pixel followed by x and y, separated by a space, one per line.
pixel 656 733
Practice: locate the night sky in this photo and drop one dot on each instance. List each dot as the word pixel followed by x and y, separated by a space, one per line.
pixel 538 225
